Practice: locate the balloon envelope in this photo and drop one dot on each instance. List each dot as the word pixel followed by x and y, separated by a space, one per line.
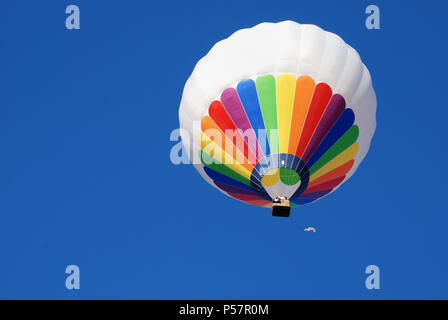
pixel 278 111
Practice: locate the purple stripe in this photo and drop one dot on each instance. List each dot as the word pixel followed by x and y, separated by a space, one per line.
pixel 314 195
pixel 231 189
pixel 232 103
pixel 334 109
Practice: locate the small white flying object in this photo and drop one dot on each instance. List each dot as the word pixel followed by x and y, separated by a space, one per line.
pixel 309 229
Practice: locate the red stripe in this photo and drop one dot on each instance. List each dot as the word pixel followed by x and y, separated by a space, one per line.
pixel 321 97
pixel 325 186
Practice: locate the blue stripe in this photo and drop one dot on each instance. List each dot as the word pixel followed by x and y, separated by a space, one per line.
pixel 216 176
pixel 249 98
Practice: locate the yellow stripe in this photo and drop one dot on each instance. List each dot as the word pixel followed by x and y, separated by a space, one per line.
pixel 345 156
pixel 286 83
pixel 271 178
pixel 216 152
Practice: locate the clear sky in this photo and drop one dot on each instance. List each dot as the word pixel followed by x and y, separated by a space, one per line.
pixel 86 178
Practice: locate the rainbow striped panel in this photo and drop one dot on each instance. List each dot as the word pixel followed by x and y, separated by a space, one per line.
pixel 280 136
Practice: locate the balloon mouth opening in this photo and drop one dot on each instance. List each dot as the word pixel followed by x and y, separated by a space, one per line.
pixel 280 176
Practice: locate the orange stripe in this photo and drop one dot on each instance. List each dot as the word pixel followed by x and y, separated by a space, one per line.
pixel 321 97
pixel 207 123
pixel 333 174
pixel 302 100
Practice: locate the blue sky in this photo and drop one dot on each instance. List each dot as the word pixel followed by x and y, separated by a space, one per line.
pixel 85 174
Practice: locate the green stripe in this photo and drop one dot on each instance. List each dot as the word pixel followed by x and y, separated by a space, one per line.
pixel 289 177
pixel 343 143
pixel 221 168
pixel 268 103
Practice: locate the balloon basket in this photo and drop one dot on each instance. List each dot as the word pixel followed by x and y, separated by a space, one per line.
pixel 281 208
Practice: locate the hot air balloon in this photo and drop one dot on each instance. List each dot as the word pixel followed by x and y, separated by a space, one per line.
pixel 278 115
